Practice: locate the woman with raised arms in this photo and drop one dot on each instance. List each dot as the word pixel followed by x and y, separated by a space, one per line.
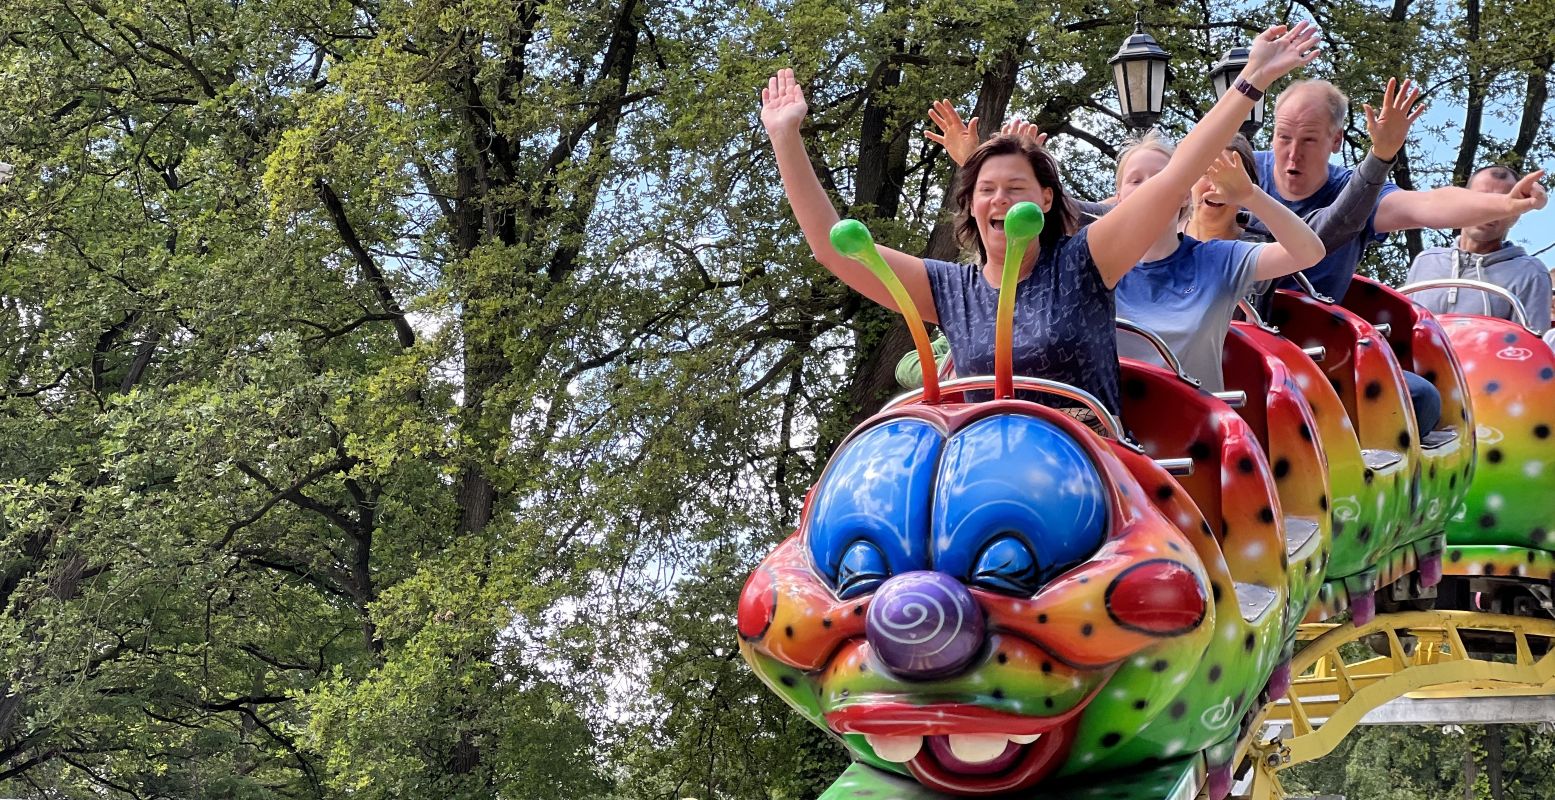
pixel 1064 308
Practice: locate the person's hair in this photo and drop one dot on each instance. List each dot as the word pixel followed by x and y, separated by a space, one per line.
pixel 1244 151
pixel 1500 172
pixel 1152 141
pixel 1043 165
pixel 1338 104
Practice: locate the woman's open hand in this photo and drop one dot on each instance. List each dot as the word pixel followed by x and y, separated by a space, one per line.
pixel 1279 50
pixel 958 138
pixel 783 106
pixel 1232 186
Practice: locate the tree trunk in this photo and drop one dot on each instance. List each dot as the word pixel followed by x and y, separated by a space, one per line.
pixel 1468 147
pixel 1537 94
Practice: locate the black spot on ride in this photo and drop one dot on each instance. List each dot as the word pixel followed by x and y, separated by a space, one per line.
pixel 998 694
pixel 1322 502
pixel 1160 665
pixel 1281 468
pixel 1455 556
pixel 1541 431
pixel 1041 619
pixel 1492 387
pixel 1214 673
pixel 1373 390
pixel 1204 528
pixel 1306 432
pixel 1487 520
pixel 1493 455
pixel 1087 629
pixel 1244 465
pixel 1365 533
pixel 1510 338
pixel 1266 515
pixel 789 631
pixel 1139 705
pixel 1047 667
pixel 1248 644
pixel 1047 701
pixel 1216 590
pixel 788 680
pixel 1178 709
pixel 1429 375
pixel 1490 569
pixel 1368 476
pixel 1547 373
pixel 1199 451
pixel 1111 739
pixel 1538 535
pixel 1403 440
pixel 826 622
pixel 1002 658
pixel 1164 492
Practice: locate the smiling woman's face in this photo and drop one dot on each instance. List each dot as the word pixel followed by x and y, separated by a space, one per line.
pixel 1002 182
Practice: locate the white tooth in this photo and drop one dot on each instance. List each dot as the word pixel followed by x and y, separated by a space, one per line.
pixel 975 748
pixel 1025 738
pixel 896 749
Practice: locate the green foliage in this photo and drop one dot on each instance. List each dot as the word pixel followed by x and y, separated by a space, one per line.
pixel 398 392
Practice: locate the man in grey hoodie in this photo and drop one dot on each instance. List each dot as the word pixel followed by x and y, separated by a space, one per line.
pixel 1482 253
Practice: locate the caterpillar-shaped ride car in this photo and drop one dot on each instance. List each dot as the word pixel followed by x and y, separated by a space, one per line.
pixel 989 598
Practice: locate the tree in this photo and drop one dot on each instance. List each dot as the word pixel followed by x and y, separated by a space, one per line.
pixel 397 392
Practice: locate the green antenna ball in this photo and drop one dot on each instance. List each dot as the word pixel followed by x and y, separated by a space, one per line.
pixel 852 239
pixel 1023 221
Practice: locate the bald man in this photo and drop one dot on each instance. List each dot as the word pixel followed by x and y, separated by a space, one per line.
pixel 1309 123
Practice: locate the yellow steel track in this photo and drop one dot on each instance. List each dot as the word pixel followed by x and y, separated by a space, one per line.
pixel 1335 686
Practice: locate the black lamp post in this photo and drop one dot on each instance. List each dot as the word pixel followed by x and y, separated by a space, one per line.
pixel 1139 69
pixel 1224 73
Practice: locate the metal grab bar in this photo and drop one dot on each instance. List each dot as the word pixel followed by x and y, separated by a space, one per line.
pixel 1172 362
pixel 1235 399
pixel 1464 283
pixel 1306 286
pixel 1316 352
pixel 1384 328
pixel 1251 315
pixel 1176 466
pixel 1109 421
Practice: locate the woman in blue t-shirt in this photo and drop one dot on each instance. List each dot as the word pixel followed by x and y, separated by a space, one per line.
pixel 1185 290
pixel 1064 306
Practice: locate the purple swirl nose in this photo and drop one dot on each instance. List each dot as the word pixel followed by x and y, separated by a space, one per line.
pixel 924 625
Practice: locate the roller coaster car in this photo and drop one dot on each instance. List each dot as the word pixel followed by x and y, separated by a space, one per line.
pixel 989 597
pixel 1499 556
pixel 1374 541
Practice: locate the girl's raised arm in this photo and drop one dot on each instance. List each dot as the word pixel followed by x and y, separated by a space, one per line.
pixel 1119 239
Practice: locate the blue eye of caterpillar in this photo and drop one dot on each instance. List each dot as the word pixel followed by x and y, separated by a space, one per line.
pixel 861 570
pixel 1007 566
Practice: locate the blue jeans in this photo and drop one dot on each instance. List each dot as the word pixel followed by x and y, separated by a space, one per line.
pixel 1427 402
